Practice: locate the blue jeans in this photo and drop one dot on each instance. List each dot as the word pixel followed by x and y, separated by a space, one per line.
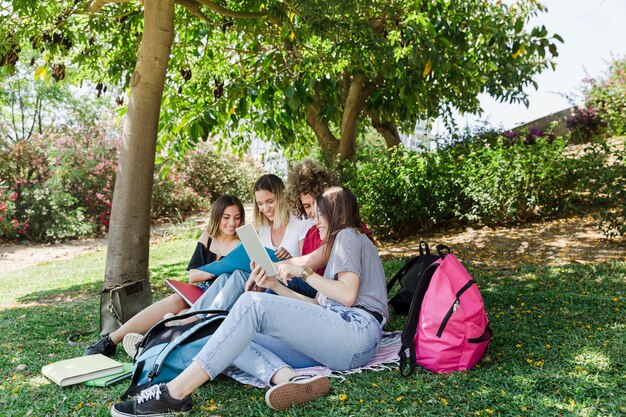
pixel 223 292
pixel 300 286
pixel 338 337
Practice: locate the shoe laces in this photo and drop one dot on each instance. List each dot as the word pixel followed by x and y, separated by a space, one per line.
pixel 102 343
pixel 149 394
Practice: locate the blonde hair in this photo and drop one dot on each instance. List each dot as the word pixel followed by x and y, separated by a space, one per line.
pixel 217 210
pixel 274 185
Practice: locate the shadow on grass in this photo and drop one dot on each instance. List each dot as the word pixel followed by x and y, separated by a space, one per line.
pixel 559 349
pixel 69 294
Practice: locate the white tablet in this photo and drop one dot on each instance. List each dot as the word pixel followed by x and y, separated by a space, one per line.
pixel 254 248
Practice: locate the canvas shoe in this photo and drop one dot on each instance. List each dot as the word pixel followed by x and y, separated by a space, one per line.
pixel 299 389
pixel 153 402
pixel 104 346
pixel 131 344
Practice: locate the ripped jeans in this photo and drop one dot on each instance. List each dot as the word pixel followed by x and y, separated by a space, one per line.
pixel 338 337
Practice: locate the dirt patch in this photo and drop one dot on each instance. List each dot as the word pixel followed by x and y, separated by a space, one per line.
pixel 568 240
pixel 561 241
pixel 14 257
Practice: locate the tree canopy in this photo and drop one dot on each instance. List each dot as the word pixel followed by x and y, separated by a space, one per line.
pixel 286 70
pixel 296 72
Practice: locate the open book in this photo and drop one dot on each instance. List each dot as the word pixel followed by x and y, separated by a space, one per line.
pixel 237 259
pixel 81 369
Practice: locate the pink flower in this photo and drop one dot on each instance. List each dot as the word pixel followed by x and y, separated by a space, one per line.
pixel 16 223
pixel 14 196
pixel 3 207
pixel 1 218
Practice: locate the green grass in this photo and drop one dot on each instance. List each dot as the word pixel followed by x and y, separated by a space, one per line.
pixel 559 348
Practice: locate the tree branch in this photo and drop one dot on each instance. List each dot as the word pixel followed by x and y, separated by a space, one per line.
pixel 328 142
pixel 98 4
pixel 231 13
pixel 194 8
pixel 388 130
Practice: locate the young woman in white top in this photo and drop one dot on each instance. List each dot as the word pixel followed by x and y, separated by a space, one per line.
pixel 277 228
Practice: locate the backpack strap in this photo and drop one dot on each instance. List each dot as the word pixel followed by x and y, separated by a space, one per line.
pixel 410 327
pixel 158 362
pixel 442 250
pixel 164 322
pixel 484 337
pixel 424 250
pixel 133 388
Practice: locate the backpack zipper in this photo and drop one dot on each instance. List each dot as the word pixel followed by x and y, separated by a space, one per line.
pixel 454 307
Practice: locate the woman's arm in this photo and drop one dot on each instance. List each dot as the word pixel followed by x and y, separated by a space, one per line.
pixel 261 280
pixel 314 260
pixel 344 289
pixel 195 275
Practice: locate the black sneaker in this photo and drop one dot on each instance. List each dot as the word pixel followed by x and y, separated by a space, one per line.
pixel 153 402
pixel 104 346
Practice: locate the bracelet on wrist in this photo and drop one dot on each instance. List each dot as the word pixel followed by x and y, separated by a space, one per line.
pixel 306 273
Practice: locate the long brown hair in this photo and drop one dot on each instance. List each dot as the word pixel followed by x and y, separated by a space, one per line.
pixel 339 207
pixel 217 210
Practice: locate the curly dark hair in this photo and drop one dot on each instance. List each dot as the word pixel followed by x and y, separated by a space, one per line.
pixel 307 177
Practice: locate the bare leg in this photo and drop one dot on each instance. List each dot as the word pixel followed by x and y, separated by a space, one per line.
pixel 283 375
pixel 187 381
pixel 149 316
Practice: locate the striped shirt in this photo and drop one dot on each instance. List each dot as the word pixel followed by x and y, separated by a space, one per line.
pixel 353 251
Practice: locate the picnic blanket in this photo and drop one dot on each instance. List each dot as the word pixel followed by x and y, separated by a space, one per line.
pixel 385 357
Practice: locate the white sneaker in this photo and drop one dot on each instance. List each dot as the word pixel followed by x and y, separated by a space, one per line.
pixel 131 343
pixel 299 389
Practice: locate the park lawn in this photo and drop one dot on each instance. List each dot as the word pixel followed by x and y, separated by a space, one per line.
pixel 559 347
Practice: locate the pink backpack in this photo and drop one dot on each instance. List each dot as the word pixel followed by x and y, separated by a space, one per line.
pixel 447 328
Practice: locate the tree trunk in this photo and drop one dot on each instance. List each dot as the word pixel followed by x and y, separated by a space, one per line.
pixel 129 232
pixel 353 106
pixel 328 142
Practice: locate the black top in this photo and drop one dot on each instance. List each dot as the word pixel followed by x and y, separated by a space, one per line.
pixel 201 256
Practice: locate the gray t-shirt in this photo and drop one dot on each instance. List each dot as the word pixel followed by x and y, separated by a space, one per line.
pixel 352 251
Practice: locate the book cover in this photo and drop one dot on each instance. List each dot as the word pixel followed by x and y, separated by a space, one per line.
pixel 81 369
pixel 107 381
pixel 237 259
pixel 189 292
pixel 254 248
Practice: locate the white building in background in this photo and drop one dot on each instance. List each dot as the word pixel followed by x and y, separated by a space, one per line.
pixel 420 139
pixel 271 160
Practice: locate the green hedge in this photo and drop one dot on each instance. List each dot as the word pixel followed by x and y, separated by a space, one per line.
pixel 491 181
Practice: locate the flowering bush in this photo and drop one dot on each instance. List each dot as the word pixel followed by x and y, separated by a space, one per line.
pixel 584 124
pixel 58 186
pixel 212 174
pixel 528 138
pixel 61 185
pixel 607 95
pixel 199 178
